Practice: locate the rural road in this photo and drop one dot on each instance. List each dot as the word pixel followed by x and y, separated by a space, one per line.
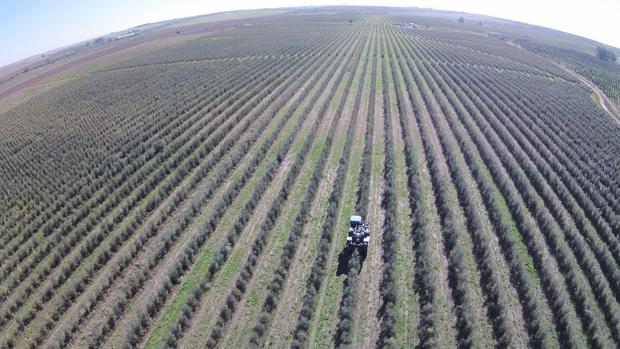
pixel 603 100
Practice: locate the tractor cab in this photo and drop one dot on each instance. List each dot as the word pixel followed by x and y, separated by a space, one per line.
pixel 359 233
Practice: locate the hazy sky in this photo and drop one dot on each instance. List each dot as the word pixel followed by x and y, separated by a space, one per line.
pixel 29 27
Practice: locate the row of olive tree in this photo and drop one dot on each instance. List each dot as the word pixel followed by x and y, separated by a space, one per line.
pixel 211 143
pixel 115 243
pixel 317 270
pixel 290 247
pixel 520 213
pixel 239 151
pixel 348 301
pixel 234 232
pixel 571 248
pixel 496 294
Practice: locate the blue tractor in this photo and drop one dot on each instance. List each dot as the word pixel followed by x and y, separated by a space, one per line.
pixel 359 235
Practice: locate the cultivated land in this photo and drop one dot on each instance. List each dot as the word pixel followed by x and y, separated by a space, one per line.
pixel 193 190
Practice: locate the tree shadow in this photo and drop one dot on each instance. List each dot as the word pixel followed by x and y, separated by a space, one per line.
pixel 343 260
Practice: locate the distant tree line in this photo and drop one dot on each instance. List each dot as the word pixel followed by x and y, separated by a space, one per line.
pixel 605 55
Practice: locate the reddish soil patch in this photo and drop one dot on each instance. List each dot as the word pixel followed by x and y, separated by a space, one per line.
pixel 149 36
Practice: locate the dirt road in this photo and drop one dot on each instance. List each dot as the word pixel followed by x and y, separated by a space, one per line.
pixel 602 98
pixel 603 101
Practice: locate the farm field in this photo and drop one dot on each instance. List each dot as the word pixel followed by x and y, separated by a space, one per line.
pixel 199 195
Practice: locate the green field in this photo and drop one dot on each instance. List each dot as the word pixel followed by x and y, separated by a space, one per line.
pixel 195 191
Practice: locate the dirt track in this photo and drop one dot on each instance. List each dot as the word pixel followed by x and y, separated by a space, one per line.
pixel 602 98
pixel 603 101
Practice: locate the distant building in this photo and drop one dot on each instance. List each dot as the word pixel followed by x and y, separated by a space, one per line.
pixel 408 25
pixel 496 35
pixel 134 33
